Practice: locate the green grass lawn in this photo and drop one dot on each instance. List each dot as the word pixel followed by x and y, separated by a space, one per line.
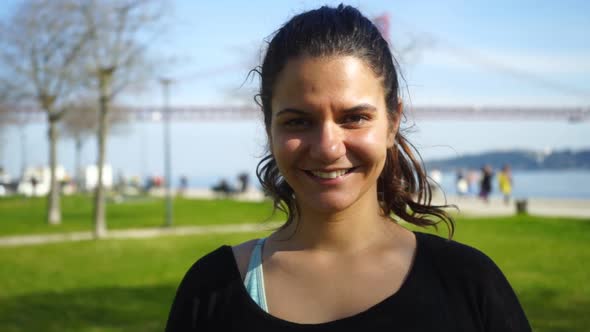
pixel 545 261
pixel 19 215
pixel 128 285
pixel 111 285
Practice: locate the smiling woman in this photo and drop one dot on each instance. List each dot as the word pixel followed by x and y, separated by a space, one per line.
pixel 330 133
pixel 343 173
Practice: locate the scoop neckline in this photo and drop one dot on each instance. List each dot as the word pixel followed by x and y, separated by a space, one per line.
pixel 375 309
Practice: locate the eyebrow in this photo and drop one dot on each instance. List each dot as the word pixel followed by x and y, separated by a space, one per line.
pixel 361 107
pixel 285 111
pixel 357 108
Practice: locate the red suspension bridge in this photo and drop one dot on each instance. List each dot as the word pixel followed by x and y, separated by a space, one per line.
pixel 238 113
pixel 572 114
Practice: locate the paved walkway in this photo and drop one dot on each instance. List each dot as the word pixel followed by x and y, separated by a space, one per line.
pixel 24 240
pixel 472 206
pixel 468 206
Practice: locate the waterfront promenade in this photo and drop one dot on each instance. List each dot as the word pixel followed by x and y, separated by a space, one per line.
pixel 467 206
pixel 548 207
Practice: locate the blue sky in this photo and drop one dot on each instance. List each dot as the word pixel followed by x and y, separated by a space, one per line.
pixel 209 47
pixel 547 39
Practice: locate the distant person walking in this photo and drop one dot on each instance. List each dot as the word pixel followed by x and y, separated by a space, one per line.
pixel 505 183
pixel 183 185
pixel 34 183
pixel 486 182
pixel 462 185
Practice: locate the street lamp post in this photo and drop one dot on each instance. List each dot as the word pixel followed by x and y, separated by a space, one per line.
pixel 165 82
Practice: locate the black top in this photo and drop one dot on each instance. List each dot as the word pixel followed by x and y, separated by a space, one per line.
pixel 450 287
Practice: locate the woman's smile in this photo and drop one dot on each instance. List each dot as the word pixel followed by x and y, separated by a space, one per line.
pixel 330 174
pixel 330 177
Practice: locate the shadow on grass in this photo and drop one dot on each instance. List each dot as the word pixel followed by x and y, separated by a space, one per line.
pixel 102 309
pixel 549 310
pixel 146 309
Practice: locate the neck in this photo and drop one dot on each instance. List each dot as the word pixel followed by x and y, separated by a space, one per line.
pixel 349 230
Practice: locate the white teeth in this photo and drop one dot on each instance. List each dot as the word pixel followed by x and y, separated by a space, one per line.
pixel 329 175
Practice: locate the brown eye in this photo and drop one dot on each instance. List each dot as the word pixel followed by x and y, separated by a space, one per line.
pixel 297 123
pixel 355 119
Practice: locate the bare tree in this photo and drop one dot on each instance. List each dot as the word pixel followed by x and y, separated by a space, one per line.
pixel 5 120
pixel 39 46
pixel 12 116
pixel 80 123
pixel 117 60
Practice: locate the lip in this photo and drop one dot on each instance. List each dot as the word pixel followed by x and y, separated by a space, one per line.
pixel 328 169
pixel 333 181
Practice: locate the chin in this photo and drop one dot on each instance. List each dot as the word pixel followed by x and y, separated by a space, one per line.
pixel 327 203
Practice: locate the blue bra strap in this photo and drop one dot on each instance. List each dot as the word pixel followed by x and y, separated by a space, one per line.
pixel 254 281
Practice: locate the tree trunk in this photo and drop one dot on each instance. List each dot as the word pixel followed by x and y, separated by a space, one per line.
pixel 53 206
pixel 100 225
pixel 78 162
pixel 23 150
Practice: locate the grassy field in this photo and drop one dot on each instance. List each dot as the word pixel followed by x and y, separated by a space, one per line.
pixel 19 215
pixel 128 285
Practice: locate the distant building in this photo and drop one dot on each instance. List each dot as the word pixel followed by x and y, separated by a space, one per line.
pixel 90 179
pixel 36 180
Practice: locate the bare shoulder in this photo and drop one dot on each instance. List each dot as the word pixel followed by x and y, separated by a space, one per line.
pixel 242 253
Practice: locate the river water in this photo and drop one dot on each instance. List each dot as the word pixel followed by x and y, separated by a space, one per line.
pixel 566 184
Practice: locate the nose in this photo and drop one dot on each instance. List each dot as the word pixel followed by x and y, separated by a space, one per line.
pixel 328 143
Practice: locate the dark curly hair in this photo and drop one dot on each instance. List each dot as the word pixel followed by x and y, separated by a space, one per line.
pixel 403 188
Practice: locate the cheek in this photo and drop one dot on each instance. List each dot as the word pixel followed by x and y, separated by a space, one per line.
pixel 285 148
pixel 372 141
pixel 369 148
pixel 285 154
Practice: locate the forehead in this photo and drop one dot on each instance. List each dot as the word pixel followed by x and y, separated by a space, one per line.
pixel 320 81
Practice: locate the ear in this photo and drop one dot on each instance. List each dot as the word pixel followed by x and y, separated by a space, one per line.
pixel 396 118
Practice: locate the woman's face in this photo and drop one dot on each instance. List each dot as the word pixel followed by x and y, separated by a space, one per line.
pixel 330 131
